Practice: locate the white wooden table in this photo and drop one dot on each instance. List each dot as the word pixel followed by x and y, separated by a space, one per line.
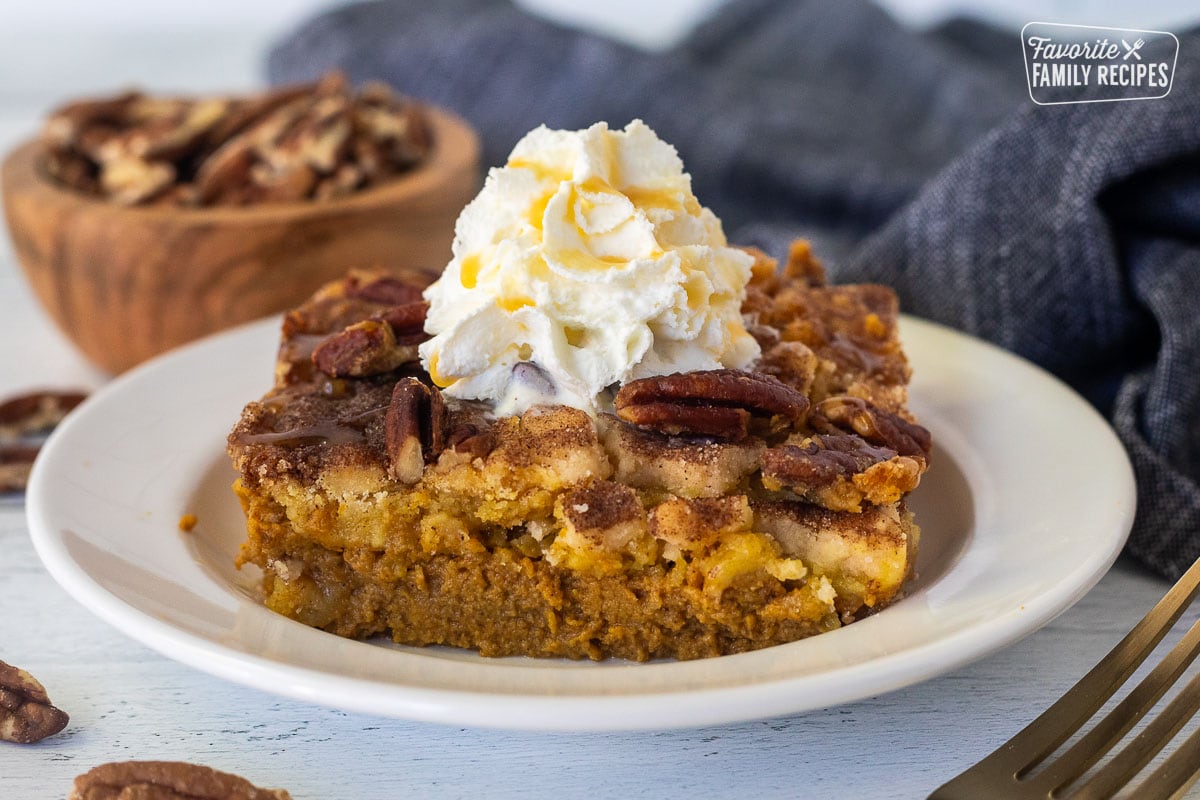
pixel 126 702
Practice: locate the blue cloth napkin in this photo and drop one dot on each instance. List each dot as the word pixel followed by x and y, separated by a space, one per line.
pixel 1068 234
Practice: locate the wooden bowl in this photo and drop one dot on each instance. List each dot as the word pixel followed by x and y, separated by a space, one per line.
pixel 128 283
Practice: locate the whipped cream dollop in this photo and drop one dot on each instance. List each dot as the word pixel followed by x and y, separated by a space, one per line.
pixel 585 262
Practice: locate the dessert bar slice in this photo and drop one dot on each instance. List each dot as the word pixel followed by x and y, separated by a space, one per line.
pixel 704 513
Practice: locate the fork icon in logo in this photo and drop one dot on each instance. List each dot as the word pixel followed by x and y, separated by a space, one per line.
pixel 1132 50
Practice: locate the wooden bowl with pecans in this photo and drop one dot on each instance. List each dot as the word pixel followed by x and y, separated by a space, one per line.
pixel 143 223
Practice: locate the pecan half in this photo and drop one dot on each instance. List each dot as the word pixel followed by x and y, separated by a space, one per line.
pixel 282 186
pixel 26 714
pixel 840 471
pixel 36 412
pixel 852 414
pixel 476 439
pixel 414 429
pixel 225 170
pixel 166 780
pixel 407 322
pixel 373 346
pixel 718 403
pixel 129 181
pixel 385 289
pixel 66 125
pixel 364 348
pixel 15 463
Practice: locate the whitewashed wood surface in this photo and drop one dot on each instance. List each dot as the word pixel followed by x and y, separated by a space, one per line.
pixel 126 702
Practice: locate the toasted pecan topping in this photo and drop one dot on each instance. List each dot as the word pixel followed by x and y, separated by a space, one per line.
pixel 364 348
pixel 414 429
pixel 676 419
pixel 718 403
pixel 473 438
pixel 837 414
pixel 841 471
pixel 384 289
pixel 793 363
pixel 407 321
pixel 820 460
pixel 376 345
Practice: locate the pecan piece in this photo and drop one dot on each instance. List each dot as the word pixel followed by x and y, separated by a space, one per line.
pixel 15 463
pixel 66 124
pixel 225 170
pixel 129 181
pixel 843 413
pixel 345 180
pixel 407 322
pixel 73 170
pixel 794 363
pixel 179 133
pixel 718 403
pixel 373 346
pixel 166 780
pixel 675 419
pixel 385 289
pixel 26 714
pixel 840 471
pixel 364 348
pixel 475 439
pixel 282 186
pixel 414 429
pixel 35 412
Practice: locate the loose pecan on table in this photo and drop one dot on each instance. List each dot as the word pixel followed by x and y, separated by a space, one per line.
pixel 315 141
pixel 16 461
pixel 26 714
pixel 166 780
pixel 414 428
pixel 35 412
pixel 22 419
pixel 718 403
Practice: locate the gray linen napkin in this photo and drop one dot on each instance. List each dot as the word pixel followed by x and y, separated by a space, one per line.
pixel 1067 234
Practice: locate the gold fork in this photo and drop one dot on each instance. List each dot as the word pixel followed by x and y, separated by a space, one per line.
pixel 1008 772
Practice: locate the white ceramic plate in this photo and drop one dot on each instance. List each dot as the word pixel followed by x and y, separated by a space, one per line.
pixel 1029 500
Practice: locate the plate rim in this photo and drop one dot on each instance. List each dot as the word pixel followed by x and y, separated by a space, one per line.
pixel 582 712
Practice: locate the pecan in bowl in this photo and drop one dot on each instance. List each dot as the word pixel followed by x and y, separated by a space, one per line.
pixel 316 141
pixel 143 223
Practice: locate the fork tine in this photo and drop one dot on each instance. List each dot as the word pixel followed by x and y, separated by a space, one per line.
pixel 1173 777
pixel 1135 755
pixel 1055 725
pixel 1109 730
